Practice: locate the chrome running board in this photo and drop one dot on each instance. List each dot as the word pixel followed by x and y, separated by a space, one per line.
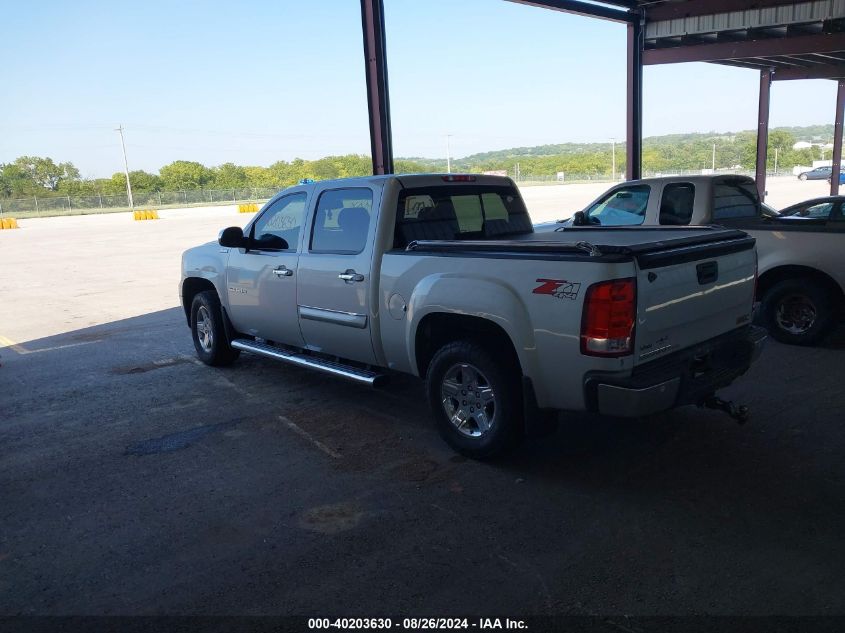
pixel 364 376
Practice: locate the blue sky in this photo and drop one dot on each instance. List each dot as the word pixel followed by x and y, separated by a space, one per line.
pixel 257 81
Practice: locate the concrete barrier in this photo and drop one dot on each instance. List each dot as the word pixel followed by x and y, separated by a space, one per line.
pixel 146 214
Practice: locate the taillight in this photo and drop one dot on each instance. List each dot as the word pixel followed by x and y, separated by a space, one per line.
pixel 459 178
pixel 607 324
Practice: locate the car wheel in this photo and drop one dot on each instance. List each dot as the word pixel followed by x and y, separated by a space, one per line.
pixel 207 330
pixel 476 400
pixel 797 311
pixel 802 177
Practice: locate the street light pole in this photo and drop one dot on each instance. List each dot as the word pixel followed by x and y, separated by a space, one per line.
pixel 448 154
pixel 126 169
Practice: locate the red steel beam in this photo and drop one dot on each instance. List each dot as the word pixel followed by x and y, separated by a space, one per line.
pixel 763 131
pixel 837 139
pixel 797 45
pixel 634 109
pixel 579 7
pixel 812 72
pixel 378 98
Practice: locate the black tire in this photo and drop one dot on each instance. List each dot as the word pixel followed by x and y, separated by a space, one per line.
pixel 207 318
pixel 798 311
pixel 505 417
pixel 802 177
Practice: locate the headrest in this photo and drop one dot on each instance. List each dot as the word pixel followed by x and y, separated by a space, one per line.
pixel 353 218
pixel 443 210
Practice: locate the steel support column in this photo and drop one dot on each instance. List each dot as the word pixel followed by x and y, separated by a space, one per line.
pixel 634 114
pixel 763 130
pixel 837 139
pixel 378 99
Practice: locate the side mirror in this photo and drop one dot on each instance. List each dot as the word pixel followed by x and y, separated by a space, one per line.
pixel 232 237
pixel 579 219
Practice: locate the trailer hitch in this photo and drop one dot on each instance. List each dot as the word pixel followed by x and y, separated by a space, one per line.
pixel 740 413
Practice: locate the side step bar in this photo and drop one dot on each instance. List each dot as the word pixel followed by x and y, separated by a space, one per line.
pixel 363 376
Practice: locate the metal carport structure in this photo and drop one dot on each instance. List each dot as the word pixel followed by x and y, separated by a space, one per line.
pixel 780 39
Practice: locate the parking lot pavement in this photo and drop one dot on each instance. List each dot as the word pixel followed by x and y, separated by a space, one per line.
pixel 136 481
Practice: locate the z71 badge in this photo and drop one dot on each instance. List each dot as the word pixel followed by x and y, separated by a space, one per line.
pixel 558 288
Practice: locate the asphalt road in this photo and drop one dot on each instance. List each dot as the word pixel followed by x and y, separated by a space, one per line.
pixel 135 481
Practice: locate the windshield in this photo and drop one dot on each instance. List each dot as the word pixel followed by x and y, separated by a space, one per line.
pixel 621 207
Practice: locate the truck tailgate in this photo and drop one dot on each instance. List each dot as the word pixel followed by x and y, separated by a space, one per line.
pixel 690 292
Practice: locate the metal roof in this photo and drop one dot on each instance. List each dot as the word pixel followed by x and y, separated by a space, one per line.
pixel 797 40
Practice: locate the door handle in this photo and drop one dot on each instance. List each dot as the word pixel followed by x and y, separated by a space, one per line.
pixel 351 275
pixel 281 271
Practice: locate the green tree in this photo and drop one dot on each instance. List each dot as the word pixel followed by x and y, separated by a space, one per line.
pixel 184 174
pixel 229 176
pixel 44 173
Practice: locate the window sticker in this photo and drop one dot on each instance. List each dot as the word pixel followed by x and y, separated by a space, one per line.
pixel 414 204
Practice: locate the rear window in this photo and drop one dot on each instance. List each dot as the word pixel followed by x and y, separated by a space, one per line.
pixel 735 200
pixel 460 212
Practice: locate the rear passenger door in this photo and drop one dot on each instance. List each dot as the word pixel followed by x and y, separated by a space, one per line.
pixel 334 283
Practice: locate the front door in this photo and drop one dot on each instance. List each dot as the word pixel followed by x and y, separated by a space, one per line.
pixel 334 275
pixel 261 280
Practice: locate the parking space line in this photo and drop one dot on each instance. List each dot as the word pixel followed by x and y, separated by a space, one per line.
pixel 21 350
pixel 7 342
pixel 303 433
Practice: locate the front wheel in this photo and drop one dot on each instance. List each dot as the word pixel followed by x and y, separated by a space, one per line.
pixel 208 332
pixel 797 311
pixel 476 400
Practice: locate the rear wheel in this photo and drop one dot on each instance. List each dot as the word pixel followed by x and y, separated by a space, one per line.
pixel 475 399
pixel 798 311
pixel 802 177
pixel 208 332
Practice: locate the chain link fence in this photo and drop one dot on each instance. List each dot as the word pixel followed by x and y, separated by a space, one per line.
pixel 67 205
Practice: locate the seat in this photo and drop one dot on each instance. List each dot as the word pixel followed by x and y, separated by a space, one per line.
pixel 354 222
pixel 432 223
pixel 516 223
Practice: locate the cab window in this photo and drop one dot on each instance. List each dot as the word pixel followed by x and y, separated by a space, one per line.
pixel 460 212
pixel 735 200
pixel 342 221
pixel 625 206
pixel 676 203
pixel 277 229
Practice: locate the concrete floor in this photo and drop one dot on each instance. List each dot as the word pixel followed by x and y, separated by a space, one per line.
pixel 134 480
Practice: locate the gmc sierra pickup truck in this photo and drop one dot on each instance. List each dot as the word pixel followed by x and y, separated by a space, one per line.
pixel 443 277
pixel 801 285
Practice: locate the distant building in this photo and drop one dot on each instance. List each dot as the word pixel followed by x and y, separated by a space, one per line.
pixel 802 145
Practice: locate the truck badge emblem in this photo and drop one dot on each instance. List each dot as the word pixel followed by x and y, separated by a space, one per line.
pixel 558 288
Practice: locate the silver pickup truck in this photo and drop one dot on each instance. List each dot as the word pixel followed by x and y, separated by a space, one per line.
pixel 443 277
pixel 801 285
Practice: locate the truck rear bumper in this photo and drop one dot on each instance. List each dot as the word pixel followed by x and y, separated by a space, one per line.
pixel 685 377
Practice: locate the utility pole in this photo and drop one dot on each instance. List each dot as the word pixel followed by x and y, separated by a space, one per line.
pixel 776 161
pixel 714 157
pixel 126 169
pixel 613 164
pixel 448 154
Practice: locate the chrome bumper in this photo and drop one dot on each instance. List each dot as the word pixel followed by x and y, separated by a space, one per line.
pixel 683 378
pixel 632 403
